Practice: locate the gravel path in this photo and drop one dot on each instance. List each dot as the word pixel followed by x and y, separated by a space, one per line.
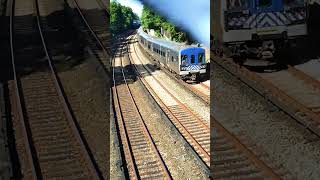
pixel 288 144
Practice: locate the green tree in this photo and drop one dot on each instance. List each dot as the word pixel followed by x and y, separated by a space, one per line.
pixel 147 18
pixel 121 18
pixel 152 20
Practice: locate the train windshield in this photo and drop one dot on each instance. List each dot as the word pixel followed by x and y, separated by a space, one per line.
pixel 237 4
pixel 184 59
pixel 200 57
pixel 193 59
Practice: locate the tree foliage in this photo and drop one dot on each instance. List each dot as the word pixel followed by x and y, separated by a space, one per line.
pixel 121 18
pixel 152 20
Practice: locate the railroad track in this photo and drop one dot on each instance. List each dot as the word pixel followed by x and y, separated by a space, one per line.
pixel 104 6
pixel 96 37
pixel 202 93
pixel 305 77
pixel 292 101
pixel 205 86
pixel 231 158
pixel 53 146
pixel 143 158
pixel 96 22
pixel 202 90
pixel 194 129
pixel 310 82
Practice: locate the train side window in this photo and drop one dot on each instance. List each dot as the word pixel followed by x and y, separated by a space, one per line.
pixel 171 58
pixel 192 59
pixel 200 57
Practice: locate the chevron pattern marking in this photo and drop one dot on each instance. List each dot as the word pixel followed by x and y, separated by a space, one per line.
pixel 269 19
pixel 193 67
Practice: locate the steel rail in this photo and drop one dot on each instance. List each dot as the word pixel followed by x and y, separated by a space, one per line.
pixel 202 150
pixel 18 104
pixel 253 158
pixel 145 129
pixel 130 153
pixel 206 126
pixel 102 5
pixel 67 111
pixel 285 102
pixel 63 100
pixel 104 50
pixel 205 86
pixel 304 76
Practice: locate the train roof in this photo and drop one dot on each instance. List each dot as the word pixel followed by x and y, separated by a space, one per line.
pixel 165 43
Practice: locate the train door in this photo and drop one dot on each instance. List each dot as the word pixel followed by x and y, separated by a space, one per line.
pixel 167 57
pixel 266 12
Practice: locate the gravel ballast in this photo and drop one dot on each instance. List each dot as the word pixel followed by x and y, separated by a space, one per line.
pixel 239 108
pixel 180 161
pixel 87 89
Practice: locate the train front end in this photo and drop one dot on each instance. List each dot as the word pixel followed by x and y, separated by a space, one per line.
pixel 261 27
pixel 192 63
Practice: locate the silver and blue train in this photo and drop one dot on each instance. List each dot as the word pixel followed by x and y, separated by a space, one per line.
pixel 257 27
pixel 188 62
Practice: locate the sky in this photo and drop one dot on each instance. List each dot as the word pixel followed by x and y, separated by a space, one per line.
pixel 193 16
pixel 135 5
